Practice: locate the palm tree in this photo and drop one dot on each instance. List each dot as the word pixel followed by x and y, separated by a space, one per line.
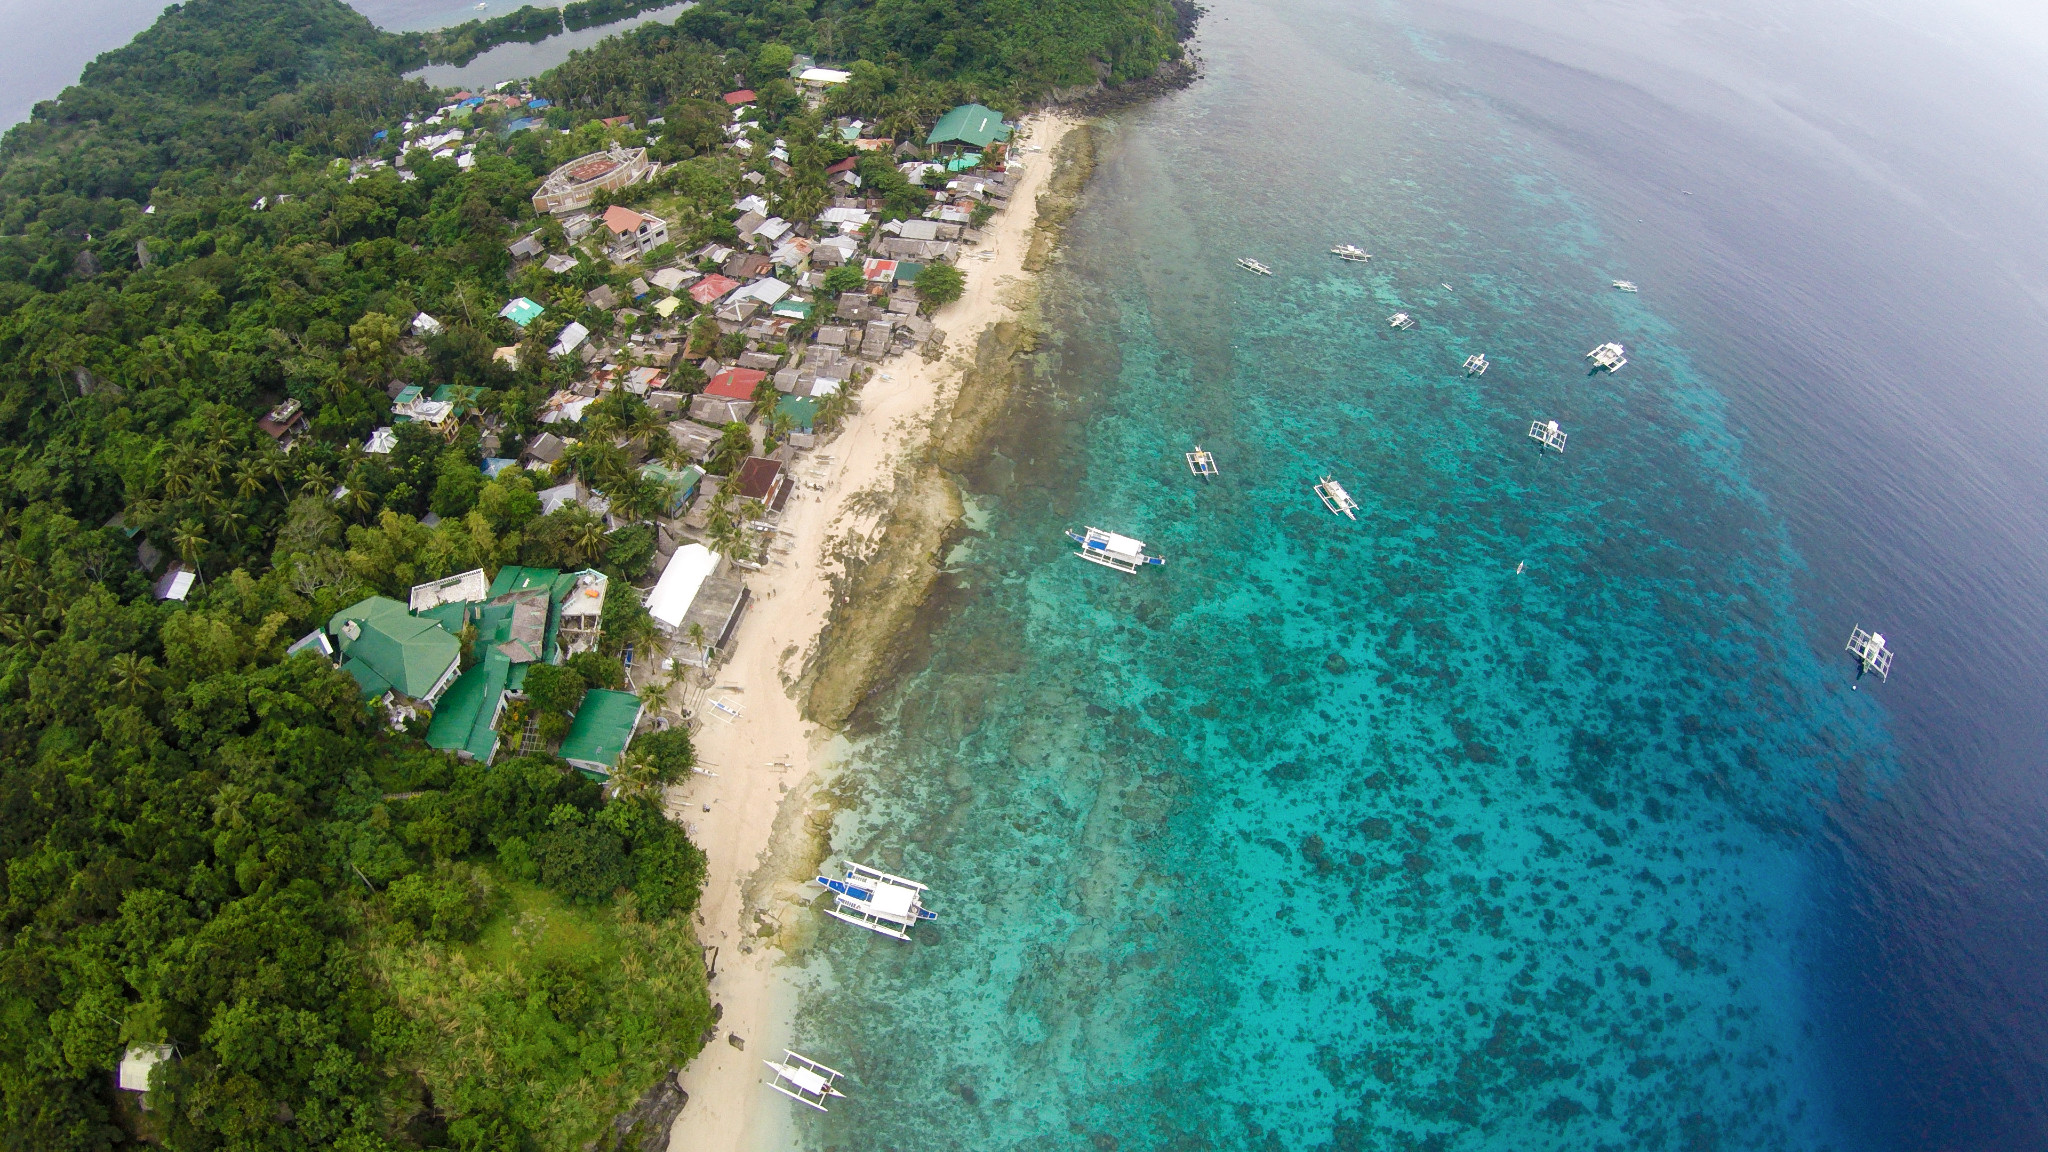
pixel 588 539
pixel 249 479
pixel 131 673
pixel 655 697
pixel 315 481
pixel 189 537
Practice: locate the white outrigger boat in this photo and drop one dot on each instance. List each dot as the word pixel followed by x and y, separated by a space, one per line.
pixel 1401 320
pixel 1201 463
pixel 1336 499
pixel 1609 356
pixel 804 1080
pixel 1251 265
pixel 877 901
pixel 1626 285
pixel 1476 365
pixel 1547 433
pixel 1351 252
pixel 1112 551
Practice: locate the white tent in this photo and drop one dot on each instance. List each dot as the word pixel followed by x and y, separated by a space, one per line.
pixel 677 589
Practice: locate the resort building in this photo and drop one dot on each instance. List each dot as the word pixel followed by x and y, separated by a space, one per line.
pixel 698 602
pixel 576 183
pixel 968 128
pixel 602 728
pixel 390 651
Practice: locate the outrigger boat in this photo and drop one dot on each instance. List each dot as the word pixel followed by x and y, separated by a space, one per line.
pixel 1476 365
pixel 803 1079
pixel 1401 320
pixel 1112 551
pixel 877 901
pixel 1351 252
pixel 1251 265
pixel 1626 285
pixel 1609 356
pixel 1336 499
pixel 1201 463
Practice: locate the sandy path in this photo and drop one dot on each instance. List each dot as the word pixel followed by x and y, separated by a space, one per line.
pixel 764 759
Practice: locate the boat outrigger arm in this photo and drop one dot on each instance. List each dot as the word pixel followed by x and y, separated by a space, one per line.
pixel 877 901
pixel 1112 551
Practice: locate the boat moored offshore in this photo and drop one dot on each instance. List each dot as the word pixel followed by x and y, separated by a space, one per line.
pixel 1476 364
pixel 1351 252
pixel 1336 499
pixel 877 901
pixel 1251 265
pixel 1626 285
pixel 1202 462
pixel 1609 356
pixel 1401 320
pixel 1112 550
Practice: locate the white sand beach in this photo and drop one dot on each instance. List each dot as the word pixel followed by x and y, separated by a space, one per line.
pixel 764 759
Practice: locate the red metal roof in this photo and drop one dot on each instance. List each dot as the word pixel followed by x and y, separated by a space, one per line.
pixel 845 165
pixel 622 220
pixel 757 477
pixel 711 288
pixel 735 383
pixel 743 96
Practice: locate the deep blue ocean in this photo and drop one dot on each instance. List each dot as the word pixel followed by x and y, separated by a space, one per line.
pixel 1345 835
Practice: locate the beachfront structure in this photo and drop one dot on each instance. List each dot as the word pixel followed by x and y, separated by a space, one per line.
pixel 1609 357
pixel 1870 652
pixel 1401 320
pixel 1547 433
pixel 1476 365
pixel 698 602
pixel 575 184
pixel 877 901
pixel 1112 550
pixel 602 729
pixel 804 1080
pixel 968 128
pixel 1336 499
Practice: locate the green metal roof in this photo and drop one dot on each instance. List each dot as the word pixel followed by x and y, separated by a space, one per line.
pixel 402 651
pixel 802 410
pixel 462 721
pixel 970 124
pixel 602 729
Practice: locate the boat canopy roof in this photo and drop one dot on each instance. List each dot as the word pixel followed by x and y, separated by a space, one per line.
pixel 1118 543
pixel 804 1079
pixel 890 900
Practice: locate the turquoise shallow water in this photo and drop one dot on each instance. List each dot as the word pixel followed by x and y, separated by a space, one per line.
pixel 1346 835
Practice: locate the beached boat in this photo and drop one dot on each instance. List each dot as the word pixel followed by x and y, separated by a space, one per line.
pixel 1111 550
pixel 1401 320
pixel 1547 433
pixel 1351 252
pixel 805 1080
pixel 1476 365
pixel 1201 463
pixel 1251 265
pixel 1626 285
pixel 1608 356
pixel 877 901
pixel 1336 499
